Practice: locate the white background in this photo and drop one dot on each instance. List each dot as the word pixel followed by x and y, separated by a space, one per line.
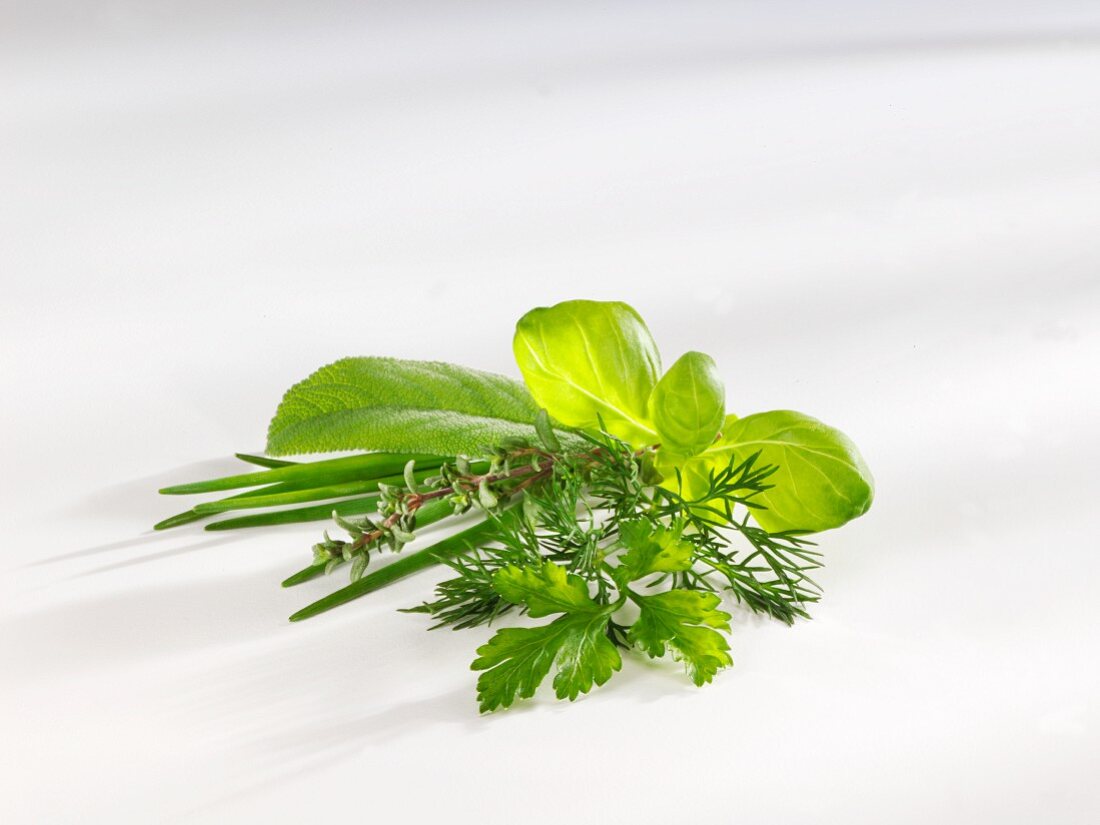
pixel 886 215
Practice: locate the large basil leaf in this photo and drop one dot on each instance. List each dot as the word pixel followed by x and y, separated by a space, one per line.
pixel 822 481
pixel 688 404
pixel 587 361
pixel 401 406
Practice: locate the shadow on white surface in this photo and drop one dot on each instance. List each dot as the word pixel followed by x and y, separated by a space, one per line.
pixel 142 540
pixel 120 499
pixel 309 703
pixel 138 500
pixel 138 626
pixel 160 556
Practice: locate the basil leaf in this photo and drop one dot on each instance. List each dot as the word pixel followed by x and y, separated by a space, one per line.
pixel 822 481
pixel 401 406
pixel 694 471
pixel 587 361
pixel 688 404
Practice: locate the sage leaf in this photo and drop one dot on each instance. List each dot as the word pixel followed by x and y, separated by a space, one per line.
pixel 396 405
pixel 590 363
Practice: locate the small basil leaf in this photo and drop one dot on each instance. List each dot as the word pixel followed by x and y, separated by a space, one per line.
pixel 590 361
pixel 688 404
pixel 688 475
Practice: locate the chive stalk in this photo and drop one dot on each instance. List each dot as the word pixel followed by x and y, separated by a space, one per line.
pixel 351 488
pixel 430 513
pixel 298 515
pixel 188 516
pixel 330 471
pixel 264 461
pixel 404 566
pixel 243 500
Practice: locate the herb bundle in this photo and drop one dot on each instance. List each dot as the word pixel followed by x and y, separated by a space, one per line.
pixel 617 501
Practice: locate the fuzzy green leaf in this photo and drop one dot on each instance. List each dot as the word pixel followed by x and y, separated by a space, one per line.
pixel 394 405
pixel 688 404
pixel 685 621
pixel 590 361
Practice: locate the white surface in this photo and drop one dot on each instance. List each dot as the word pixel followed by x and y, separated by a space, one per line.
pixel 883 214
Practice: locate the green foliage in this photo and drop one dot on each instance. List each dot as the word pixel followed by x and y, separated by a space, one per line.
pixel 400 406
pixel 407 564
pixel 545 589
pixel 517 659
pixel 555 556
pixel 822 481
pixel 652 549
pixel 312 475
pixel 657 499
pixel 594 365
pixel 589 362
pixel 688 405
pixel 685 621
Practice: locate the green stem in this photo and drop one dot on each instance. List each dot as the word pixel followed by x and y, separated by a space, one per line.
pixel 298 515
pixel 178 520
pixel 430 513
pixel 404 566
pixel 264 461
pixel 188 516
pixel 352 488
pixel 275 494
pixel 331 471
